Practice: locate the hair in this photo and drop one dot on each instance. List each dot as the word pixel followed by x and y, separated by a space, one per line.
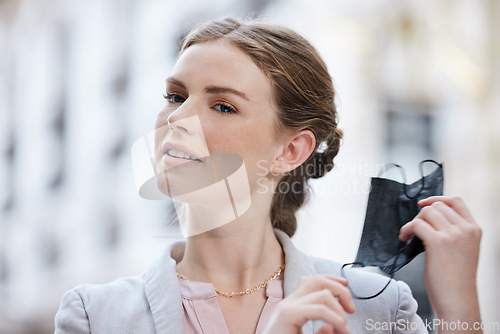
pixel 303 92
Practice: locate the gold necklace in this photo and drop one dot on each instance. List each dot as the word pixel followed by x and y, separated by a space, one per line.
pixel 244 292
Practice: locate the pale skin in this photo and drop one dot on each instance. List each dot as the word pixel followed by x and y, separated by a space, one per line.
pixel 243 253
pixel 449 231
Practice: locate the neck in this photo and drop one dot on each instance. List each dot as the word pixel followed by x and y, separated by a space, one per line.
pixel 236 255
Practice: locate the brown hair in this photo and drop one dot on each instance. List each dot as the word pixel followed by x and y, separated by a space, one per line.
pixel 302 90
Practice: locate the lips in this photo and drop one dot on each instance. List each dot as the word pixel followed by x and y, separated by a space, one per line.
pixel 181 155
pixel 178 151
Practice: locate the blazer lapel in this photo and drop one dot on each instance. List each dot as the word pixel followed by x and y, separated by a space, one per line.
pixel 163 292
pixel 298 265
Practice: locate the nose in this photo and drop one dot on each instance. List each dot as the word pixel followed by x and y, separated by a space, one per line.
pixel 182 119
pixel 177 125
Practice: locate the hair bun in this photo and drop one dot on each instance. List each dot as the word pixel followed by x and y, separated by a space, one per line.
pixel 322 158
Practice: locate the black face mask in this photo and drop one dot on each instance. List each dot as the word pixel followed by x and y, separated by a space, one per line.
pixel 391 205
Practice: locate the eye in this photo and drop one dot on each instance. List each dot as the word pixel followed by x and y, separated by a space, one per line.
pixel 173 98
pixel 225 108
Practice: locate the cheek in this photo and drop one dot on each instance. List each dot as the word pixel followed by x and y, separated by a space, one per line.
pixel 257 151
pixel 243 140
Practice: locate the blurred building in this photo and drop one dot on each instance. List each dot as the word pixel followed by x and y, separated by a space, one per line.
pixel 81 81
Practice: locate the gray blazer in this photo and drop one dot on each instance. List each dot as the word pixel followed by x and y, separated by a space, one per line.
pixel 152 303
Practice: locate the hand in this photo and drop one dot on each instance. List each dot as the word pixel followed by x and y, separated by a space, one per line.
pixel 320 297
pixel 451 238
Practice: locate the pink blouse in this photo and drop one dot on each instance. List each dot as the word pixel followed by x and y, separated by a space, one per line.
pixel 202 313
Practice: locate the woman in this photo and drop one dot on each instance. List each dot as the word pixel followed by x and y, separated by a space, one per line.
pixel 261 92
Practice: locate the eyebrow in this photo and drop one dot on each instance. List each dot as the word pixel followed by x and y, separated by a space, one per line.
pixel 211 89
pixel 176 82
pixel 219 90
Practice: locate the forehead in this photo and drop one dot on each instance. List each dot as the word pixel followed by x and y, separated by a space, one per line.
pixel 221 63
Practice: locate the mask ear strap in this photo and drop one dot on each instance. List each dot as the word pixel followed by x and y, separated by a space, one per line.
pixel 389 166
pixel 421 166
pixel 362 265
pixel 422 178
pixel 403 174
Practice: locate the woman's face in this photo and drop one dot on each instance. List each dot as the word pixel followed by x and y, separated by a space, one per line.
pixel 217 101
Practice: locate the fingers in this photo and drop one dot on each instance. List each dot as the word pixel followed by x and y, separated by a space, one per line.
pixel 336 286
pixel 456 203
pixel 340 280
pixel 323 313
pixel 324 297
pixel 417 227
pixel 435 217
pixel 320 297
pixel 447 213
pixel 440 214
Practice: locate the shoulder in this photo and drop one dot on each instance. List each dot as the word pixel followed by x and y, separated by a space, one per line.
pixel 137 304
pixel 125 291
pixel 99 308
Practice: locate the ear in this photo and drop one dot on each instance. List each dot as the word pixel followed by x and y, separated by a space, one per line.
pixel 297 148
